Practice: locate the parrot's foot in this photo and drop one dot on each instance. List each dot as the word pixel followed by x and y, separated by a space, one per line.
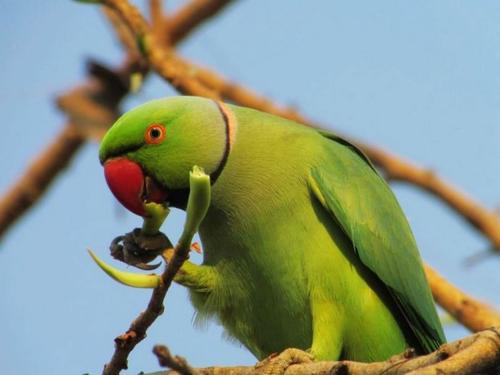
pixel 276 364
pixel 137 249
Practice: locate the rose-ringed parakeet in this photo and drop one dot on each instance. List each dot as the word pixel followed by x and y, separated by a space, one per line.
pixel 304 243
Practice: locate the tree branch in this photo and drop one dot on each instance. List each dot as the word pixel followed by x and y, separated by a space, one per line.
pixel 475 354
pixel 176 363
pixel 126 342
pixel 473 314
pixel 37 178
pixel 192 15
pixel 396 168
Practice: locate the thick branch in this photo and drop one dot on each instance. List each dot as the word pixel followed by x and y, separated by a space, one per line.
pixel 475 354
pixel 473 314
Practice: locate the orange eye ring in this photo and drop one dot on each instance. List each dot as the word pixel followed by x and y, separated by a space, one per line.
pixel 155 134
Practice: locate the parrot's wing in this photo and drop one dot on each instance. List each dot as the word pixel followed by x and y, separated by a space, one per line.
pixel 361 202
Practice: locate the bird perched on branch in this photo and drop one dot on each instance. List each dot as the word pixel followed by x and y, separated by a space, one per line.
pixel 304 244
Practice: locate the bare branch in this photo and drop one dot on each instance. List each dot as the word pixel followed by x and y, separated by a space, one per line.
pixel 243 96
pixel 161 58
pixel 156 12
pixel 473 314
pixel 182 23
pixel 126 342
pixel 176 363
pixel 158 24
pixel 38 176
pixel 396 168
pixel 123 33
pixel 475 354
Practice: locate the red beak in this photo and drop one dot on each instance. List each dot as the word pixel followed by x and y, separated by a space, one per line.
pixel 130 186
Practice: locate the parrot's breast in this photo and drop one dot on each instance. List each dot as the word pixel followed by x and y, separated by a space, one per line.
pixel 287 276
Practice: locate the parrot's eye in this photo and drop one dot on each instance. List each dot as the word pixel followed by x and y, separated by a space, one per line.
pixel 155 134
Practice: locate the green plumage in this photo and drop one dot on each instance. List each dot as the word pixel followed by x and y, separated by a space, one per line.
pixel 304 244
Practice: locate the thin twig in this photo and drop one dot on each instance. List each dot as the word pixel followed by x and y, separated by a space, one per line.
pixel 126 342
pixel 176 363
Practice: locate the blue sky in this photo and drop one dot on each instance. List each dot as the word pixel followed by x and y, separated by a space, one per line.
pixel 421 79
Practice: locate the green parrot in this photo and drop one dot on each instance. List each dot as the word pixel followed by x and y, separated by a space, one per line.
pixel 304 244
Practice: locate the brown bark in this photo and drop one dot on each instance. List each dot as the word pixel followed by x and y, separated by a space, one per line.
pixel 471 313
pixel 38 176
pixel 475 354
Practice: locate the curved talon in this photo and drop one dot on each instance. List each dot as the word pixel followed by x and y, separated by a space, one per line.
pixel 147 267
pixel 116 240
pixel 116 249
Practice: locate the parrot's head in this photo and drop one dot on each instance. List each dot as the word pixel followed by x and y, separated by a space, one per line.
pixel 148 153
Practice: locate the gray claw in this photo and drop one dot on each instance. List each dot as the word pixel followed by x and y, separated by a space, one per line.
pixel 137 249
pixel 156 242
pixel 116 248
pixel 147 267
pixel 116 240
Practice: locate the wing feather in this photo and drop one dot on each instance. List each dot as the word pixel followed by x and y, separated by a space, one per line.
pixel 351 190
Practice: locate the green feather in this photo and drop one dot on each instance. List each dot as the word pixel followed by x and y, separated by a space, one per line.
pixel 304 244
pixel 366 209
